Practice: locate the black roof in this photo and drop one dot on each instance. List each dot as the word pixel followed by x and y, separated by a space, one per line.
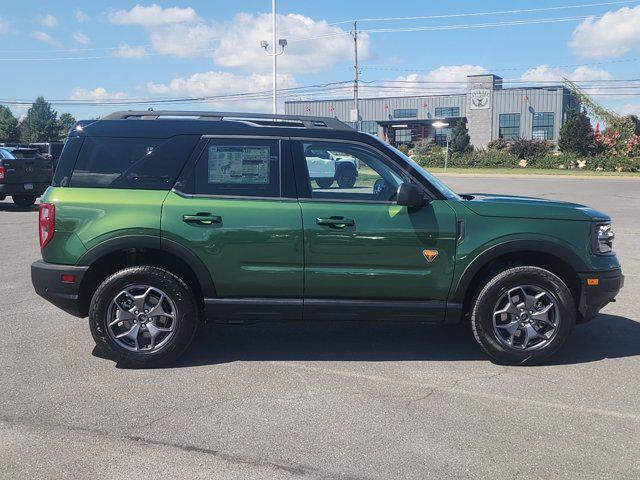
pixel 168 123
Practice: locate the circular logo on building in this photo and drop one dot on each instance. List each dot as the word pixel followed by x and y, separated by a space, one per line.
pixel 479 96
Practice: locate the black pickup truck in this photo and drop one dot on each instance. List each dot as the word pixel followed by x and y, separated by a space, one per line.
pixel 24 174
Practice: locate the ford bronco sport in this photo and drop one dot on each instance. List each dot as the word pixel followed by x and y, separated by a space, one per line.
pixel 158 221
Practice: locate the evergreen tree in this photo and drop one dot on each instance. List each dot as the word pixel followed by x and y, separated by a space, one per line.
pixel 66 123
pixel 9 130
pixel 460 141
pixel 576 134
pixel 41 123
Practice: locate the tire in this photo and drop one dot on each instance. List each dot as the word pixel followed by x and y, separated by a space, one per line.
pixel 324 182
pixel 133 350
pixel 509 336
pixel 346 177
pixel 24 201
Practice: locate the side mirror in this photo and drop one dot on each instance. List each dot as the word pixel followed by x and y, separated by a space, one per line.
pixel 410 196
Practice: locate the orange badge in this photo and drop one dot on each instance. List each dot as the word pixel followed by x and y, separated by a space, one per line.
pixel 430 255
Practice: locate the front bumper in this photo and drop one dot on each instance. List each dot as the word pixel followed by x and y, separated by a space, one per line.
pixel 47 281
pixel 597 290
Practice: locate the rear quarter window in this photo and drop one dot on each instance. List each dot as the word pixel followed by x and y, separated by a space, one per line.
pixel 131 163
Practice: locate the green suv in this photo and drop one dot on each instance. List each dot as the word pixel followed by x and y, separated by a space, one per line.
pixel 158 221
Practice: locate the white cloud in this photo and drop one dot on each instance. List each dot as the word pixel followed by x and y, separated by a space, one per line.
pixel 183 41
pixel 4 27
pixel 81 16
pixel 583 73
pixel 46 38
pixel 214 83
pixel 239 44
pixel 613 35
pixel 97 94
pixel 628 109
pixel 48 21
pixel 153 16
pixel 129 51
pixel 81 38
pixel 445 77
pixel 545 73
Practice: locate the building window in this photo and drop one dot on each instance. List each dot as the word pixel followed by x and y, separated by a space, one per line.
pixel 447 112
pixel 403 135
pixel 405 113
pixel 441 135
pixel 369 127
pixel 542 126
pixel 509 126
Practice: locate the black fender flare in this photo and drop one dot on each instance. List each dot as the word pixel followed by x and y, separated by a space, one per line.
pixel 546 247
pixel 156 243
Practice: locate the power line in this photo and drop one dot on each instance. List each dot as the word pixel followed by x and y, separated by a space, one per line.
pixel 477 14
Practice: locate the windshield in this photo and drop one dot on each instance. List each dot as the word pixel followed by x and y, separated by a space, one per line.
pixel 442 188
pixel 6 154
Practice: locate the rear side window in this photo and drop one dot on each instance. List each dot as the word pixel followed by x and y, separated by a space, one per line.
pixel 239 168
pixel 131 163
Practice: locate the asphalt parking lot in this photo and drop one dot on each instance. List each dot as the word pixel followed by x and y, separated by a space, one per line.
pixel 343 401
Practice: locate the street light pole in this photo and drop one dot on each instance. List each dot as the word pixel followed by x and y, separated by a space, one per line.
pixel 273 57
pixel 282 43
pixel 439 124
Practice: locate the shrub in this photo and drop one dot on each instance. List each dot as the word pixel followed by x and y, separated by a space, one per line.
pixel 460 141
pixel 523 148
pixel 424 147
pixel 404 149
pixel 576 134
pixel 498 144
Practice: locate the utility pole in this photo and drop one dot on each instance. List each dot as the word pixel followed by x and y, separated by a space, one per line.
pixel 354 33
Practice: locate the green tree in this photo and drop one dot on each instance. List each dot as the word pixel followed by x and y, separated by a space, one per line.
pixel 41 123
pixel 66 123
pixel 9 130
pixel 460 141
pixel 576 134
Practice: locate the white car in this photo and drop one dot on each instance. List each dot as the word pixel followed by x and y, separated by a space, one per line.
pixel 325 167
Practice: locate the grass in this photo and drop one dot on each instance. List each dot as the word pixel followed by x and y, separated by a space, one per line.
pixel 531 171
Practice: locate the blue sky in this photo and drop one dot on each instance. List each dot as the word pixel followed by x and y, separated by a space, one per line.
pixel 123 50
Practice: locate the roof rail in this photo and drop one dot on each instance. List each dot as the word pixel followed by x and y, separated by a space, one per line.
pixel 261 119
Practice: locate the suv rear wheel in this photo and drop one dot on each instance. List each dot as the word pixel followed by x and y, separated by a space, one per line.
pixel 523 315
pixel 143 316
pixel 24 201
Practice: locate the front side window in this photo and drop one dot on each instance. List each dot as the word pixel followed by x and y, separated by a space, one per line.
pixel 244 168
pixel 405 113
pixel 542 126
pixel 509 126
pixel 351 172
pixel 447 112
pixel 131 163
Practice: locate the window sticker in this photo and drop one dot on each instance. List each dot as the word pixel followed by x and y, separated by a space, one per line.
pixel 237 164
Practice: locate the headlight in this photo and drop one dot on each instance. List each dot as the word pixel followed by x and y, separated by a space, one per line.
pixel 603 238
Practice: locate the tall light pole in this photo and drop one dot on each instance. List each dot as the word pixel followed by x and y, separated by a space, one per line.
pixel 354 33
pixel 264 44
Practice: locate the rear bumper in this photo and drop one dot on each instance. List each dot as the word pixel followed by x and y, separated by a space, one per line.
pixel 47 282
pixel 38 189
pixel 598 292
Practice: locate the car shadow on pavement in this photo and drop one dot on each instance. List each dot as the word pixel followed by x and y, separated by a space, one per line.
pixel 607 336
pixel 12 207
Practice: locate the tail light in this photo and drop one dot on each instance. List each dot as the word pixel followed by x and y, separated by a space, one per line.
pixel 46 222
pixel 2 172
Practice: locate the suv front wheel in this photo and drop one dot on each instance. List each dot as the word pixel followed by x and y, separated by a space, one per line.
pixel 143 316
pixel 523 315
